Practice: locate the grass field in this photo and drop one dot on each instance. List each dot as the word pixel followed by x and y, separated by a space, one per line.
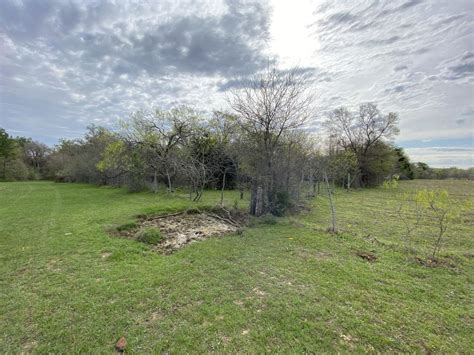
pixel 67 286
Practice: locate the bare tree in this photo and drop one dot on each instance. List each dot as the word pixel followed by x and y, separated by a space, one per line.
pixel 198 175
pixel 224 127
pixel 35 154
pixel 359 132
pixel 159 134
pixel 269 105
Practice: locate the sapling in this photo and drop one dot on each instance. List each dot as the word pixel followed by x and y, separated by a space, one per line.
pixel 443 210
pixel 408 209
pixel 391 183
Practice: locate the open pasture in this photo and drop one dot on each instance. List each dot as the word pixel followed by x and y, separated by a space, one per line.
pixel 284 285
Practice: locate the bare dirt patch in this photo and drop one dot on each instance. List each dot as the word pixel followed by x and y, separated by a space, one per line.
pixel 180 229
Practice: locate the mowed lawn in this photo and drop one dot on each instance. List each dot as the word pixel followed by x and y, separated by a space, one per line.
pixel 67 286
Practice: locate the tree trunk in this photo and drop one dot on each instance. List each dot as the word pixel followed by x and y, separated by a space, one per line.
pixel 155 182
pixel 222 190
pixel 442 229
pixel 333 209
pixel 298 193
pixel 313 184
pixel 257 201
pixel 169 181
pixel 199 192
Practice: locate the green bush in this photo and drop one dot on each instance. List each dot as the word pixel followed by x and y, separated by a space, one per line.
pixel 283 204
pixel 149 235
pixel 15 170
pixel 268 219
pixel 193 211
pixel 127 226
pixel 391 183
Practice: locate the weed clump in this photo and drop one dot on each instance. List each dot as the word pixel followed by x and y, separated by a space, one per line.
pixel 127 226
pixel 150 235
pixel 267 219
pixel 283 204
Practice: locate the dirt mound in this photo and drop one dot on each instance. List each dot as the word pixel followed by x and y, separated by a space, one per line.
pixel 183 228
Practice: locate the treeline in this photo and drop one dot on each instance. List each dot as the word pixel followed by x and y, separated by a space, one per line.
pixel 22 158
pixel 261 146
pixel 423 171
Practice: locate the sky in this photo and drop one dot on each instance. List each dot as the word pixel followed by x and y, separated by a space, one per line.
pixel 67 64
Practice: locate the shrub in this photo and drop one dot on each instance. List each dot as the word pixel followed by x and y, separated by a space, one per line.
pixel 193 211
pixel 434 208
pixel 16 170
pixel 127 226
pixel 150 235
pixel 391 183
pixel 268 219
pixel 283 204
pixel 443 211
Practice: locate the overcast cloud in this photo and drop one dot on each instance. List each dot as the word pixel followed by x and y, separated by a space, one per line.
pixel 65 65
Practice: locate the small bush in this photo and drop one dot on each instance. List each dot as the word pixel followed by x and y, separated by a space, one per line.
pixel 150 235
pixel 268 219
pixel 193 211
pixel 135 183
pixel 16 170
pixel 127 226
pixel 391 183
pixel 283 204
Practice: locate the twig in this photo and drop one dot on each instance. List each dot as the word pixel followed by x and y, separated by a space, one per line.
pixel 224 219
pixel 165 215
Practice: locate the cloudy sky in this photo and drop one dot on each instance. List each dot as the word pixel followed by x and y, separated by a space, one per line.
pixel 67 64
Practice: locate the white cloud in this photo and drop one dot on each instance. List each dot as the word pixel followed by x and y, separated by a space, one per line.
pixel 290 34
pixel 71 64
pixel 443 157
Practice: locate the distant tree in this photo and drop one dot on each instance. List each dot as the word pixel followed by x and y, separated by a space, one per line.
pixel 342 167
pixel 7 150
pixel 35 155
pixel 223 126
pixel 362 133
pixel 404 167
pixel 76 160
pixel 380 164
pixel 424 171
pixel 158 135
pixel 117 160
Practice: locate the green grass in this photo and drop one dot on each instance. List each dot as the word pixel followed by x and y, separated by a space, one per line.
pixel 373 213
pixel 149 235
pixel 68 287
